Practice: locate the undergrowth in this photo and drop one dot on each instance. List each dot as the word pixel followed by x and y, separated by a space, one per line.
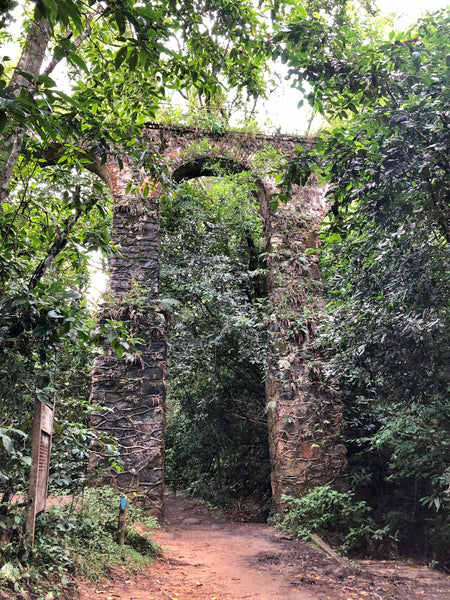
pixel 339 518
pixel 76 540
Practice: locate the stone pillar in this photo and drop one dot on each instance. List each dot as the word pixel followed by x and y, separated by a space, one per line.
pixel 305 416
pixel 132 387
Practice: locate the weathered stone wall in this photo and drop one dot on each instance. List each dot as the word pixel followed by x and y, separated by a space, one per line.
pixel 132 387
pixel 304 412
pixel 305 416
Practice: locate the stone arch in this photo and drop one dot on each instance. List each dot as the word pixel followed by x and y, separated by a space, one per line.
pixel 304 417
pixel 201 166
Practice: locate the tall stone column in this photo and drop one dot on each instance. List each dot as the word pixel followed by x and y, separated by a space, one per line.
pixel 305 415
pixel 131 388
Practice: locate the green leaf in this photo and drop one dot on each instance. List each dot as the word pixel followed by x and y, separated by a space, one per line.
pixel 25 75
pixel 9 572
pixel 7 443
pixel 120 21
pixel 120 56
pixel 42 330
pixel 42 396
pixel 48 81
pixel 76 59
pixel 73 10
pixel 133 59
pixel 72 295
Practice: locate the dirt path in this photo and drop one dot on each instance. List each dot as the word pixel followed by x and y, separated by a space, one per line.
pixel 209 558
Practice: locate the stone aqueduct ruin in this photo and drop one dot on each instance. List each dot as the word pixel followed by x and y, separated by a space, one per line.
pixel 304 416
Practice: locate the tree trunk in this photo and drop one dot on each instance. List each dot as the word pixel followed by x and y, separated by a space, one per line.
pixel 30 62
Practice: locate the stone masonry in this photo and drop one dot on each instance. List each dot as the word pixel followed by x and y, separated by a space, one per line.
pixel 304 418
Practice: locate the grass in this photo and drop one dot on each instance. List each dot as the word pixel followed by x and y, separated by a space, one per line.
pixel 73 541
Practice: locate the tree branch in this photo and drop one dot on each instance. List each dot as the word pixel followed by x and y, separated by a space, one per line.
pixel 77 43
pixel 60 242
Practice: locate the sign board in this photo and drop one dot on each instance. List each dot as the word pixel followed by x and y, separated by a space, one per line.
pixel 40 463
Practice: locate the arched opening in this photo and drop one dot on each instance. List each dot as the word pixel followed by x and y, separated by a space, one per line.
pixel 297 399
pixel 213 283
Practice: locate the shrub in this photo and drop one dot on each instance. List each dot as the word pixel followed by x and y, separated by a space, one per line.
pixel 336 516
pixel 72 540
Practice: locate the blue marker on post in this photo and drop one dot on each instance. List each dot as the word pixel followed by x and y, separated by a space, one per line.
pixel 121 520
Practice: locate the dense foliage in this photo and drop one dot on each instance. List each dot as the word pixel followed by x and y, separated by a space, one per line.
pixel 121 58
pixel 72 540
pixel 337 516
pixel 213 280
pixel 47 330
pixel 385 256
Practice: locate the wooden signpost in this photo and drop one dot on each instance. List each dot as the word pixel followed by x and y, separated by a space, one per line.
pixel 40 463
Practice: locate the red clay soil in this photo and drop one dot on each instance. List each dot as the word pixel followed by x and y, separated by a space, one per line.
pixel 212 558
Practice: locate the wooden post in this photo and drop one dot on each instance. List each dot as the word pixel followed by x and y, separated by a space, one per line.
pixel 122 520
pixel 40 463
